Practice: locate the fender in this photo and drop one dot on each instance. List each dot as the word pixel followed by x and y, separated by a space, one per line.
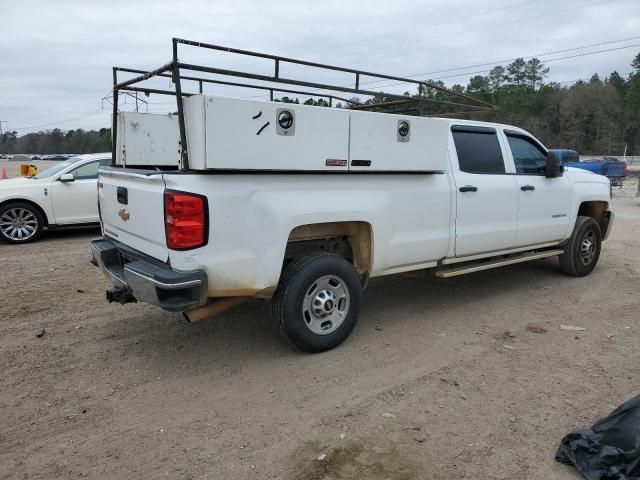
pixel 35 195
pixel 587 187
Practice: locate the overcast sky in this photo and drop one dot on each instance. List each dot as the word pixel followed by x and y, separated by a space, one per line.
pixel 56 56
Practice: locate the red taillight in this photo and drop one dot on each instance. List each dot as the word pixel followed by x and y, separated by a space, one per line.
pixel 185 219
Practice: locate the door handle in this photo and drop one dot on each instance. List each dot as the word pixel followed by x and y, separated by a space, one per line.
pixel 525 188
pixel 468 188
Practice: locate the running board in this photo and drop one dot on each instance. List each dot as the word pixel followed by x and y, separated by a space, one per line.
pixel 477 267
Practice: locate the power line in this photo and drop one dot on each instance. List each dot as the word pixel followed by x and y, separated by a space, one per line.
pixel 467 31
pixel 535 55
pixel 547 61
pixel 486 12
pixel 498 62
pixel 533 17
pixel 90 114
pixel 104 124
pixel 437 24
pixel 410 76
pixel 60 121
pixel 482 28
pixel 585 54
pixel 440 36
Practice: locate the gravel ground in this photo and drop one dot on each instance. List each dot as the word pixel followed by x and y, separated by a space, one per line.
pixel 469 377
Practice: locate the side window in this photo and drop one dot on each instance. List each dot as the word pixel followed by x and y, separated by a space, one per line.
pixel 527 155
pixel 478 151
pixel 86 171
pixel 105 162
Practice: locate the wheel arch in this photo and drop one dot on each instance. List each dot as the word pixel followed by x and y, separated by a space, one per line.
pixel 598 210
pixel 350 239
pixel 29 202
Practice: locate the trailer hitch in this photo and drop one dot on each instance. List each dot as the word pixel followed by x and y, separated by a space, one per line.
pixel 120 295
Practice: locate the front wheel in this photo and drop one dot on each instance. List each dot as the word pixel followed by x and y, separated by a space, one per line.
pixel 582 250
pixel 20 223
pixel 317 301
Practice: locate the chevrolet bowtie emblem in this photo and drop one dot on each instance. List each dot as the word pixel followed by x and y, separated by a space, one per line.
pixel 123 214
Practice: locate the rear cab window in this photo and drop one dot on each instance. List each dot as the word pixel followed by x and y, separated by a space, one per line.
pixel 478 150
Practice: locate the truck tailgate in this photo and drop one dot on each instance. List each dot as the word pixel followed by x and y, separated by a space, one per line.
pixel 132 209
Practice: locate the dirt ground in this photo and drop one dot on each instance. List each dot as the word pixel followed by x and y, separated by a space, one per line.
pixel 469 377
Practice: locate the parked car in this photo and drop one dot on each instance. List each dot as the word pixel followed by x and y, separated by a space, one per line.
pixel 62 195
pixel 612 168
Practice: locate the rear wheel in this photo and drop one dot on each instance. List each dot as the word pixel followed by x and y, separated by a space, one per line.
pixel 317 301
pixel 582 250
pixel 20 223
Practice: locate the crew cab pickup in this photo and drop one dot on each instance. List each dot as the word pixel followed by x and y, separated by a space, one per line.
pixel 230 199
pixel 303 204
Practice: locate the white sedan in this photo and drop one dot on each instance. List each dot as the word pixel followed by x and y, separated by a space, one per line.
pixel 63 195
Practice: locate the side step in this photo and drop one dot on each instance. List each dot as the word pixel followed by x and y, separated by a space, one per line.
pixel 495 263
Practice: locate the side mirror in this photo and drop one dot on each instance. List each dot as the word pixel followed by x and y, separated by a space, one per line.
pixel 67 177
pixel 554 166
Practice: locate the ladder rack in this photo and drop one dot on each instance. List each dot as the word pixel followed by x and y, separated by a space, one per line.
pixel 377 100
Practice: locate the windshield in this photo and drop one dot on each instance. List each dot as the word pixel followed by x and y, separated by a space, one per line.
pixel 57 168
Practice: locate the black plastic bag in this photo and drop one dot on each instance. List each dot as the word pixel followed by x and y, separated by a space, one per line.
pixel 609 449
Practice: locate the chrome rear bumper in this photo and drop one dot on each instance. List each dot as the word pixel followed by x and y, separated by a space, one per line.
pixel 148 281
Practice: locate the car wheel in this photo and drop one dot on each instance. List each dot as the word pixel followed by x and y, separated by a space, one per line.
pixel 316 304
pixel 20 223
pixel 582 250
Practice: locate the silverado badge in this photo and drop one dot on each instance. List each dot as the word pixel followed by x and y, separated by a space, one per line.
pixel 123 214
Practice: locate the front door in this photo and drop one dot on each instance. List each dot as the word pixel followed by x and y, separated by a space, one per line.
pixel 486 194
pixel 77 201
pixel 544 203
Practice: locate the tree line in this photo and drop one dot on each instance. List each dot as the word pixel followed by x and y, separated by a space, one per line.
pixel 57 141
pixel 598 116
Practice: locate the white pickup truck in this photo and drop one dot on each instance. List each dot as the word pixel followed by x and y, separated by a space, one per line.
pixel 303 204
pixel 352 195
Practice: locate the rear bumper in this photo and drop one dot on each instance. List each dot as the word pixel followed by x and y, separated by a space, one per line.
pixel 149 282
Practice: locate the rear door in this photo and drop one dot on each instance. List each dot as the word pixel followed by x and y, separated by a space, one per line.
pixel 544 203
pixel 486 193
pixel 132 209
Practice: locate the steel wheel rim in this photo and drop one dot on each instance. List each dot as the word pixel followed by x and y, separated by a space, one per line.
pixel 588 247
pixel 326 304
pixel 18 224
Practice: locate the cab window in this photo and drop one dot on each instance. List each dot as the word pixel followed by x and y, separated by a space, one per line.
pixel 89 170
pixel 478 150
pixel 527 155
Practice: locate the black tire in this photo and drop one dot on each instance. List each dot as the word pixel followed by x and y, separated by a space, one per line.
pixel 300 293
pixel 32 218
pixel 582 250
